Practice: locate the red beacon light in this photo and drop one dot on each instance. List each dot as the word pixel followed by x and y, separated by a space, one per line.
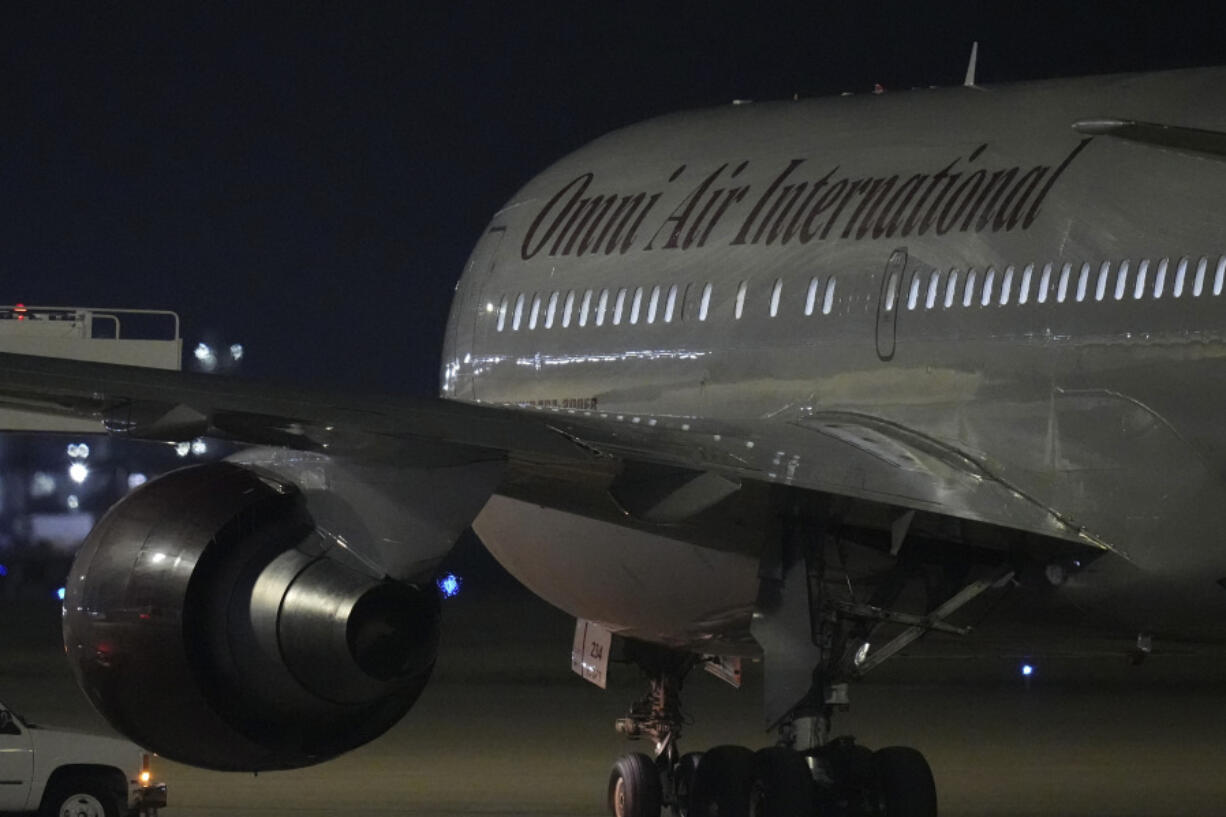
pixel 20 310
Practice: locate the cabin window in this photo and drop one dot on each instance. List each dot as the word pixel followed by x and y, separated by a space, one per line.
pixel 1181 274
pixel 1006 285
pixel 811 296
pixel 584 307
pixel 653 305
pixel 636 305
pixel 1160 278
pixel 519 312
pixel 891 292
pixel 1104 273
pixel 1083 282
pixel 740 300
pixel 828 300
pixel 1062 288
pixel 934 286
pixel 951 288
pixel 705 304
pixel 619 306
pixel 502 313
pixel 968 293
pixel 1045 283
pixel 776 291
pixel 602 307
pixel 536 311
pixel 1139 291
pixel 670 304
pixel 1121 280
pixel 551 311
pixel 568 308
pixel 989 282
pixel 913 295
pixel 1023 294
pixel 1219 278
pixel 1198 283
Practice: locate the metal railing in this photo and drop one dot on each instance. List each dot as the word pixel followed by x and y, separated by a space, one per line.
pixel 86 315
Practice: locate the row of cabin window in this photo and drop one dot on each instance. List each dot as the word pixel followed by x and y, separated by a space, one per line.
pixel 1081 282
pixel 595 305
pixel 665 305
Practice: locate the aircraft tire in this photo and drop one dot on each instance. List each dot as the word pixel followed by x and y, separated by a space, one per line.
pixel 905 783
pixel 634 787
pixel 782 784
pixel 683 784
pixel 722 782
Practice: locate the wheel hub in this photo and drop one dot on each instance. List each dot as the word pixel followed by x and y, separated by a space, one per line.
pixel 82 805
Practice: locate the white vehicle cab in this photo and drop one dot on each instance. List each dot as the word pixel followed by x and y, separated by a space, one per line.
pixel 59 772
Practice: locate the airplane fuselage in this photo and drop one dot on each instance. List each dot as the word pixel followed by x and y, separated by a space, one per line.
pixel 947 300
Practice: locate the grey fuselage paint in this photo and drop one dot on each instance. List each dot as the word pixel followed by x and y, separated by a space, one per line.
pixel 1059 327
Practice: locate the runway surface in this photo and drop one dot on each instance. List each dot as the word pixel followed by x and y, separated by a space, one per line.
pixel 504 728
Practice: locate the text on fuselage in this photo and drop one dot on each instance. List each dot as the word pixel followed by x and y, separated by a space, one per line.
pixel 961 196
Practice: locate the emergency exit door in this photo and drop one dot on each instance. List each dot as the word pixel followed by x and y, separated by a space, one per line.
pixel 887 303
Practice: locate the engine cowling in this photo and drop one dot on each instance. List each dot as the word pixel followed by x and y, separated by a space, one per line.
pixel 208 620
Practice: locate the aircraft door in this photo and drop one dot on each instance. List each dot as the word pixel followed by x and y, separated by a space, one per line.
pixel 888 303
pixel 474 313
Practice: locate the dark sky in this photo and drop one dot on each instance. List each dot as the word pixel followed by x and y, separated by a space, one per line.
pixel 309 179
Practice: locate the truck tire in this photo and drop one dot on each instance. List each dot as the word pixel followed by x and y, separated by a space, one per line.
pixel 81 796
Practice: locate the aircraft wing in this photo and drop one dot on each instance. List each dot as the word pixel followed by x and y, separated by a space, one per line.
pixel 670 468
pixel 156 404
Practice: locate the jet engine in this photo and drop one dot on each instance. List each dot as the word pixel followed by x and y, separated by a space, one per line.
pixel 210 620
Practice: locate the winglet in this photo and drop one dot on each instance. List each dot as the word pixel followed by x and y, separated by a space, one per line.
pixel 1196 141
pixel 969 82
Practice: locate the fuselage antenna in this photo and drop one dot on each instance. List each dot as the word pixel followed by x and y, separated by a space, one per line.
pixel 969 82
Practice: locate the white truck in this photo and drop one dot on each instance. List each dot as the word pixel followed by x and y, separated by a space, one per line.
pixel 63 773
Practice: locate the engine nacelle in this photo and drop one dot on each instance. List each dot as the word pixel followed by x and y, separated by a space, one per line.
pixel 208 620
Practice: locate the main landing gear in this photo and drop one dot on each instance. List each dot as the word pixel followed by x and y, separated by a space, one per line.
pixel 724 781
pixel 837 778
pixel 814 636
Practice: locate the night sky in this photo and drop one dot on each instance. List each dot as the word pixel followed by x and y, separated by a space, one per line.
pixel 309 180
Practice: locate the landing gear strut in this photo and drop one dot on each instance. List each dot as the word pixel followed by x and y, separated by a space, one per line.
pixel 815 638
pixel 633 792
pixel 814 643
pixel 728 781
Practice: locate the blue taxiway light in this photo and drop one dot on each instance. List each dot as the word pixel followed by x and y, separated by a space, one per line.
pixel 449 585
pixel 1027 670
pixel 59 594
pixel 4 571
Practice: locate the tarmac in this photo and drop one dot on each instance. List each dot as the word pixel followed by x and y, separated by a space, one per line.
pixel 505 728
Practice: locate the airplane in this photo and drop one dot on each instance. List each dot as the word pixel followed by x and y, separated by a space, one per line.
pixel 796 382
